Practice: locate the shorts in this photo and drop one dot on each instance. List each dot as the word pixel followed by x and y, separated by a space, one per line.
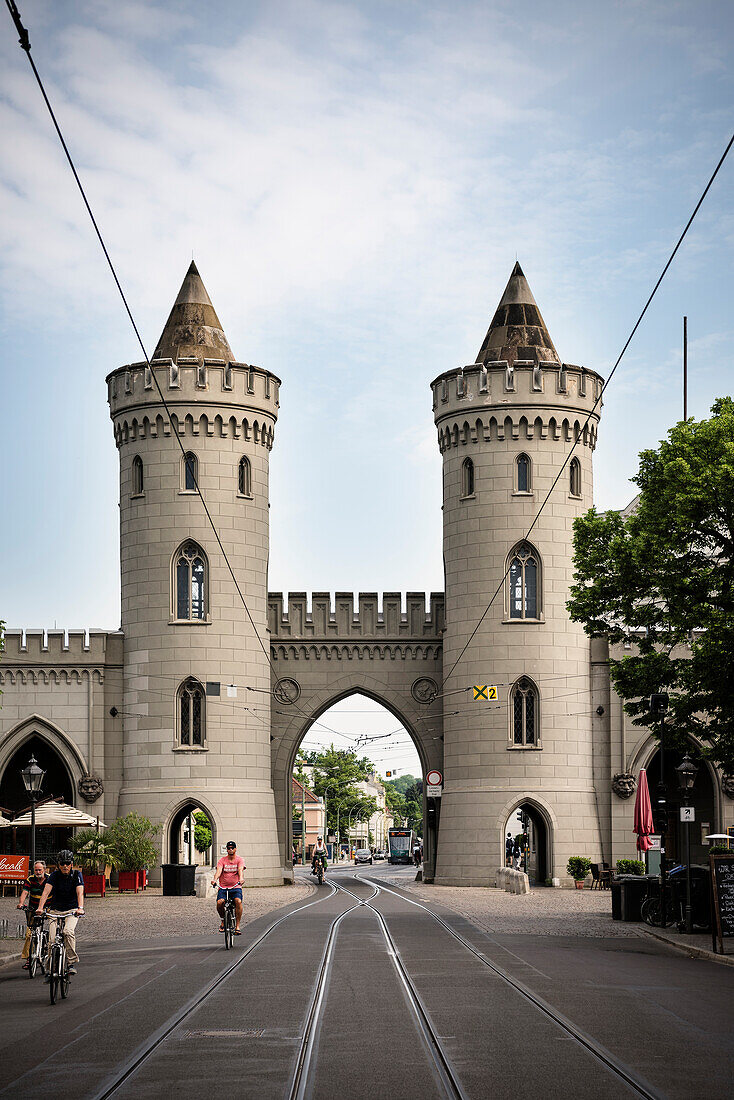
pixel 233 891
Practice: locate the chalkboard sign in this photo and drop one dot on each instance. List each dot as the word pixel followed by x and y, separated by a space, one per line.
pixel 722 880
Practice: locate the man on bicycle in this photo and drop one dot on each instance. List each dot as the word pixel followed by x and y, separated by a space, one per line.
pixel 230 875
pixel 319 853
pixel 65 892
pixel 30 896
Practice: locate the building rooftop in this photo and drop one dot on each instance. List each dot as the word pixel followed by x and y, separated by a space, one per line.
pixel 193 329
pixel 518 330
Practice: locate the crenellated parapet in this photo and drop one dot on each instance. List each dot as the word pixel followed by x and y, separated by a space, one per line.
pixel 55 656
pixel 208 396
pixel 520 400
pixel 327 622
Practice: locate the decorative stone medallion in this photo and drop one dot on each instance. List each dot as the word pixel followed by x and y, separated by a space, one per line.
pixel 287 691
pixel 727 786
pixel 424 690
pixel 624 784
pixel 90 787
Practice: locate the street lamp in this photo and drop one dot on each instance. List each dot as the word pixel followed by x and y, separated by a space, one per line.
pixel 687 772
pixel 32 781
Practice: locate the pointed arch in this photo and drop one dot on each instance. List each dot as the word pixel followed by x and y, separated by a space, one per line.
pixel 189 583
pixel 189 472
pixel 467 478
pixel 524 583
pixel 523 473
pixel 574 478
pixel 138 489
pixel 524 714
pixel 191 714
pixel 244 477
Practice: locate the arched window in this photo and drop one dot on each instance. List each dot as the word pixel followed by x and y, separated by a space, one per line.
pixel 467 478
pixel 524 712
pixel 190 581
pixel 524 581
pixel 244 477
pixel 524 468
pixel 189 472
pixel 574 477
pixel 191 714
pixel 137 476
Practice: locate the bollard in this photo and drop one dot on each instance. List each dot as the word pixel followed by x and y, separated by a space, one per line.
pixel 4 928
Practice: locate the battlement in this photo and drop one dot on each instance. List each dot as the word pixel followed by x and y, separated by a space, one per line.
pixel 324 621
pixel 188 381
pixel 519 401
pixel 92 648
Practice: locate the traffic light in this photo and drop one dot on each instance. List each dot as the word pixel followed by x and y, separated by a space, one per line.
pixel 388 774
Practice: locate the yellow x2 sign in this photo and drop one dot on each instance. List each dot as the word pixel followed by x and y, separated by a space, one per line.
pixel 485 691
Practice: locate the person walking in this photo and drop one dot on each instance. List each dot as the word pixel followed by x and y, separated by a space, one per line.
pixel 509 847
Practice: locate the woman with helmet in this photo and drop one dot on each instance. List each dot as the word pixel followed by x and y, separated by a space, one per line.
pixel 65 893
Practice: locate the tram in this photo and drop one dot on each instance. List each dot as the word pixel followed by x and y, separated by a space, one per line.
pixel 401 843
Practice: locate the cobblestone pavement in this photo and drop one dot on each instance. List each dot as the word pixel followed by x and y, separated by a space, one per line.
pixel 149 914
pixel 542 912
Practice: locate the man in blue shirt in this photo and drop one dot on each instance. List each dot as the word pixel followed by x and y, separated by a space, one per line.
pixel 65 891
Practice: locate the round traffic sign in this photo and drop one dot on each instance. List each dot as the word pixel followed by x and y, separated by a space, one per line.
pixel 434 779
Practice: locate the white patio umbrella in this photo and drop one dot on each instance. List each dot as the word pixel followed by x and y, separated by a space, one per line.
pixel 55 813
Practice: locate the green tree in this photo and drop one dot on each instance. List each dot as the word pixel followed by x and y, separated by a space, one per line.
pixel 664 579
pixel 94 851
pixel 202 831
pixel 395 803
pixel 334 773
pixel 132 838
pixel 414 805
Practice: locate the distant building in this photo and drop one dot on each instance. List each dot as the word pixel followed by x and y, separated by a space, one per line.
pixel 308 803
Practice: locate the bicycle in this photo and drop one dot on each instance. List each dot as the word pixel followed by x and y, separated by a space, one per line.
pixel 58 964
pixel 230 920
pixel 38 948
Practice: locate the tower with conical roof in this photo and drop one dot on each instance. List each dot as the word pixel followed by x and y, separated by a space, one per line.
pixel 195 720
pixel 506 424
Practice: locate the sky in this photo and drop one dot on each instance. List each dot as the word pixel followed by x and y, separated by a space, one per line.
pixel 355 182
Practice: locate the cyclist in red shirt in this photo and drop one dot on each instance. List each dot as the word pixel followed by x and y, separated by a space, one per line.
pixel 230 875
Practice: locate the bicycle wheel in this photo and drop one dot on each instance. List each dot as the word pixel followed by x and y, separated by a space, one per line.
pixel 33 956
pixel 53 969
pixel 320 874
pixel 64 978
pixel 228 937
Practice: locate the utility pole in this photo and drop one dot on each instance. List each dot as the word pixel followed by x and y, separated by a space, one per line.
pixel 685 368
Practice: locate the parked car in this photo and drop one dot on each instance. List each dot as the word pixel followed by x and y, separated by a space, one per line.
pixel 363 855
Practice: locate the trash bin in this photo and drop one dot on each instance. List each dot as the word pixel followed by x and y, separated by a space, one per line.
pixel 633 891
pixel 179 879
pixel 616 899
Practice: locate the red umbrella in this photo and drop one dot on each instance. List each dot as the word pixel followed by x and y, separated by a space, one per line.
pixel 643 814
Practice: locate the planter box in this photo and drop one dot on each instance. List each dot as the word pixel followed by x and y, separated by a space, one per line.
pixel 129 880
pixel 95 884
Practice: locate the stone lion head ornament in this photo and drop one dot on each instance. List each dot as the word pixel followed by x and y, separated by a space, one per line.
pixel 624 784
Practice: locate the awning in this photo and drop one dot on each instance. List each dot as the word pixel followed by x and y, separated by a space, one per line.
pixel 55 813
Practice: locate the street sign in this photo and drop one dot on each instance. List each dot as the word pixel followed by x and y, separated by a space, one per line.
pixel 486 692
pixel 434 779
pixel 434 790
pixel 688 813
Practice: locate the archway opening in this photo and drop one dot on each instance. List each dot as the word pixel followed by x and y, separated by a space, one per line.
pixel 56 784
pixel 191 836
pixel 354 814
pixel 702 799
pixel 527 829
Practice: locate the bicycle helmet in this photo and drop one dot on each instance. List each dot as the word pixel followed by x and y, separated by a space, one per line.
pixel 65 856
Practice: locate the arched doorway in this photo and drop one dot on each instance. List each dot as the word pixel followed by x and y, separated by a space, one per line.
pixel 527 819
pixel 190 827
pixel 57 783
pixel 363 724
pixel 702 799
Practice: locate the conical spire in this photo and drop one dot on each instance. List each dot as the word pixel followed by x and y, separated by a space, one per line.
pixel 193 328
pixel 517 330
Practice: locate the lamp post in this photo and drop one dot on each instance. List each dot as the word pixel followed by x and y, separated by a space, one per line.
pixel 658 709
pixel 687 772
pixel 32 780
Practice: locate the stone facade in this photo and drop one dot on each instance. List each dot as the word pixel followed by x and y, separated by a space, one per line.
pixel 111 705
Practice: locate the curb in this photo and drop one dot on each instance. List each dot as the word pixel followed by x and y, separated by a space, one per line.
pixel 686 949
pixel 6 959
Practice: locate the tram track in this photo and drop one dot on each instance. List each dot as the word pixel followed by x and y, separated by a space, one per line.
pixel 612 1064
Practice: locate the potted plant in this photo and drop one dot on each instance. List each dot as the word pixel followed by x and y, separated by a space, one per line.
pixel 95 855
pixel 578 868
pixel 132 838
pixel 630 867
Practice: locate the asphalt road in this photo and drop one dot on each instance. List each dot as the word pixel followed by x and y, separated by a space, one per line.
pixel 477 1016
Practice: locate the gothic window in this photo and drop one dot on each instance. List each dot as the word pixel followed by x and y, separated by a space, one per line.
pixel 189 472
pixel 244 477
pixel 574 476
pixel 137 476
pixel 190 580
pixel 522 464
pixel 191 714
pixel 524 582
pixel 524 713
pixel 467 478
